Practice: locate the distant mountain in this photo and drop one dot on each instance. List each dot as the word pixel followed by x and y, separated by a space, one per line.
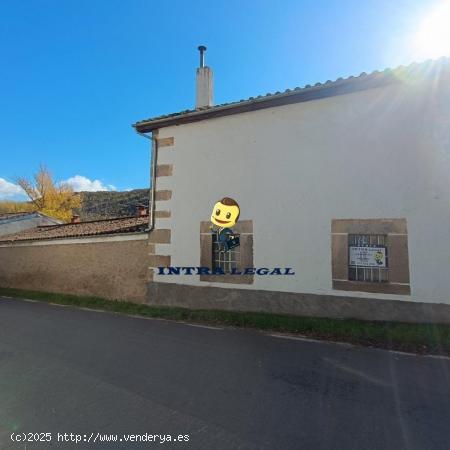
pixel 108 204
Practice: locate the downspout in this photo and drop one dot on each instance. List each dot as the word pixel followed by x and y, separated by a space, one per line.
pixel 154 149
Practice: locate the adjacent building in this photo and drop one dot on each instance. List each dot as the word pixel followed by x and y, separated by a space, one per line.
pixel 102 258
pixel 15 222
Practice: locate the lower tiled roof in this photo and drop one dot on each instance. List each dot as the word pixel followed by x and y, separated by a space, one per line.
pixel 81 229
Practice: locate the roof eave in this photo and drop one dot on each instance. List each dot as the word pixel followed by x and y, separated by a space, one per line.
pixel 307 94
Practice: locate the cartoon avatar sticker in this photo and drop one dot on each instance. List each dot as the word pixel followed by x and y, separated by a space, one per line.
pixel 224 216
pixel 379 257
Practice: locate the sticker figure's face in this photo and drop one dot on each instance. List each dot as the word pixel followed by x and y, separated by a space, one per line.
pixel 225 213
pixel 378 257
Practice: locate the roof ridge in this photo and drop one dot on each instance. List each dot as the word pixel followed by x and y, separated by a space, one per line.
pixel 91 221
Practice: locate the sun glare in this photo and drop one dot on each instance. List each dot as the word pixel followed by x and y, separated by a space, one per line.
pixel 433 37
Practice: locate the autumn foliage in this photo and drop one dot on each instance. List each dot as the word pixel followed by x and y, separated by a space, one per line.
pixel 10 206
pixel 46 196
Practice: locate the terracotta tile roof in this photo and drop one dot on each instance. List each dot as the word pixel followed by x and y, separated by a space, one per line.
pixel 298 94
pixel 81 229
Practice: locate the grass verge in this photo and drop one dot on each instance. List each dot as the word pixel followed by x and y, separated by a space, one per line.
pixel 418 338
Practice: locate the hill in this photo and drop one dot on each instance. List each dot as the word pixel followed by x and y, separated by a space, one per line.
pixel 108 204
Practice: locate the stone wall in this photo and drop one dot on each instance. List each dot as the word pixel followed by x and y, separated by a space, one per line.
pixel 104 267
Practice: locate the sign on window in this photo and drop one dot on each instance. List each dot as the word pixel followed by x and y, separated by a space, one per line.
pixel 367 256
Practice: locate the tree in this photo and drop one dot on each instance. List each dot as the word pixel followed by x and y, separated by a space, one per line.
pixel 48 197
pixel 8 206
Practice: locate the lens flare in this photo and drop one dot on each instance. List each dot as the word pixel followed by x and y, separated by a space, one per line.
pixel 433 37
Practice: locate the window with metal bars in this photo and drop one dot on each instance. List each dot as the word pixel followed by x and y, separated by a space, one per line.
pixel 227 260
pixel 368 258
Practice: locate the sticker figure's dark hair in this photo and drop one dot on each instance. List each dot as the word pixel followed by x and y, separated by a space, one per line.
pixel 227 201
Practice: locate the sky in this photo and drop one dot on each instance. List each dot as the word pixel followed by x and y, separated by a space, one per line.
pixel 75 75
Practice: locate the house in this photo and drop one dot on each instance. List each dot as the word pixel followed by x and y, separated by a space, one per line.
pixel 346 183
pixel 18 221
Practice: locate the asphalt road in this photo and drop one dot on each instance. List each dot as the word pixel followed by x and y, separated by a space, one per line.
pixel 68 370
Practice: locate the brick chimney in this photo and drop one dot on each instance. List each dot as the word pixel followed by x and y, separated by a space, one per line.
pixel 204 82
pixel 141 210
pixel 75 219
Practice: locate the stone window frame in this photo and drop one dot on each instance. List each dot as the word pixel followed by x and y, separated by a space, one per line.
pixel 397 249
pixel 245 229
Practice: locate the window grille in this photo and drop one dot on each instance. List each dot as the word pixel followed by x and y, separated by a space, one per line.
pixel 362 272
pixel 225 260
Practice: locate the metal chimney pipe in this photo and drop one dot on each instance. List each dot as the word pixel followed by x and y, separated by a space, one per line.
pixel 202 50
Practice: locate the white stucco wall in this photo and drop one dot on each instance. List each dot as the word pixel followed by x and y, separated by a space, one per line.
pixel 379 153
